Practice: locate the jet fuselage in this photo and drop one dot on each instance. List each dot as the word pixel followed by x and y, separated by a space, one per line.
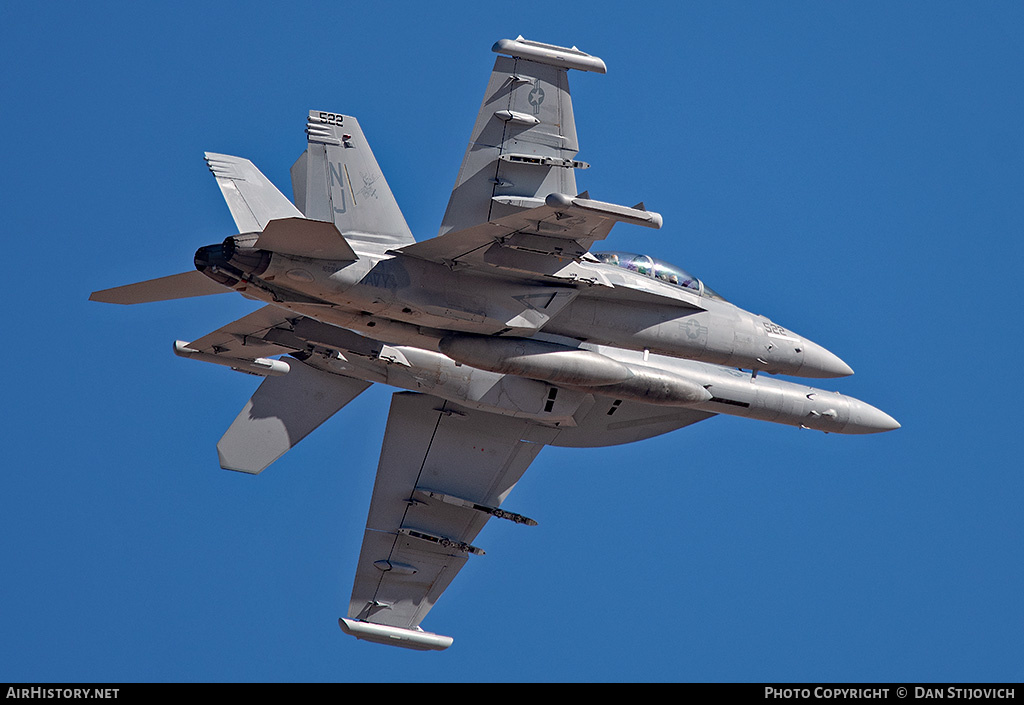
pixel 405 300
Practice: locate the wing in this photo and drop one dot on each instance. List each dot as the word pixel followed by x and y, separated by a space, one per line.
pixel 524 141
pixel 444 471
pixel 513 208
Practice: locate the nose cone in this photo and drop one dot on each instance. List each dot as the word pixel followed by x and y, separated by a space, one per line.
pixel 820 363
pixel 865 418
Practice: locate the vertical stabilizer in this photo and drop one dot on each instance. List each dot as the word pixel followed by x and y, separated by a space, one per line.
pixel 337 179
pixel 251 198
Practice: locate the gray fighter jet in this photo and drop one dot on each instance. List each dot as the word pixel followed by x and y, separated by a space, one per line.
pixel 506 332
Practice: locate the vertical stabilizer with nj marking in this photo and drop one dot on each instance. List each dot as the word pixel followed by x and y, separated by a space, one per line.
pixel 338 180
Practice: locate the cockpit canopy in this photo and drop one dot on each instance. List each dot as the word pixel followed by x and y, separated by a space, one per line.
pixel 655 268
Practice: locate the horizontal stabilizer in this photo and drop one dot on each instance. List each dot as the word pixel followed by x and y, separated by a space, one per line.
pixel 251 198
pixel 177 286
pixel 305 238
pixel 282 412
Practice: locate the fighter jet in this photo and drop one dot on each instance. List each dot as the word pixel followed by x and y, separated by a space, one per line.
pixel 504 333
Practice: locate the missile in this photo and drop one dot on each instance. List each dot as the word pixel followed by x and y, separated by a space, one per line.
pixel 262 366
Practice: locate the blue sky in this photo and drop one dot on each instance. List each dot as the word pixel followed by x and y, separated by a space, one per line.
pixel 852 170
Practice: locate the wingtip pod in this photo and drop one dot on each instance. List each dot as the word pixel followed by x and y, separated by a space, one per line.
pixel 570 58
pixel 395 636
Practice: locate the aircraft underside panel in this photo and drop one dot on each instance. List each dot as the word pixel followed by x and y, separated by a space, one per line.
pixel 443 471
pixel 611 422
